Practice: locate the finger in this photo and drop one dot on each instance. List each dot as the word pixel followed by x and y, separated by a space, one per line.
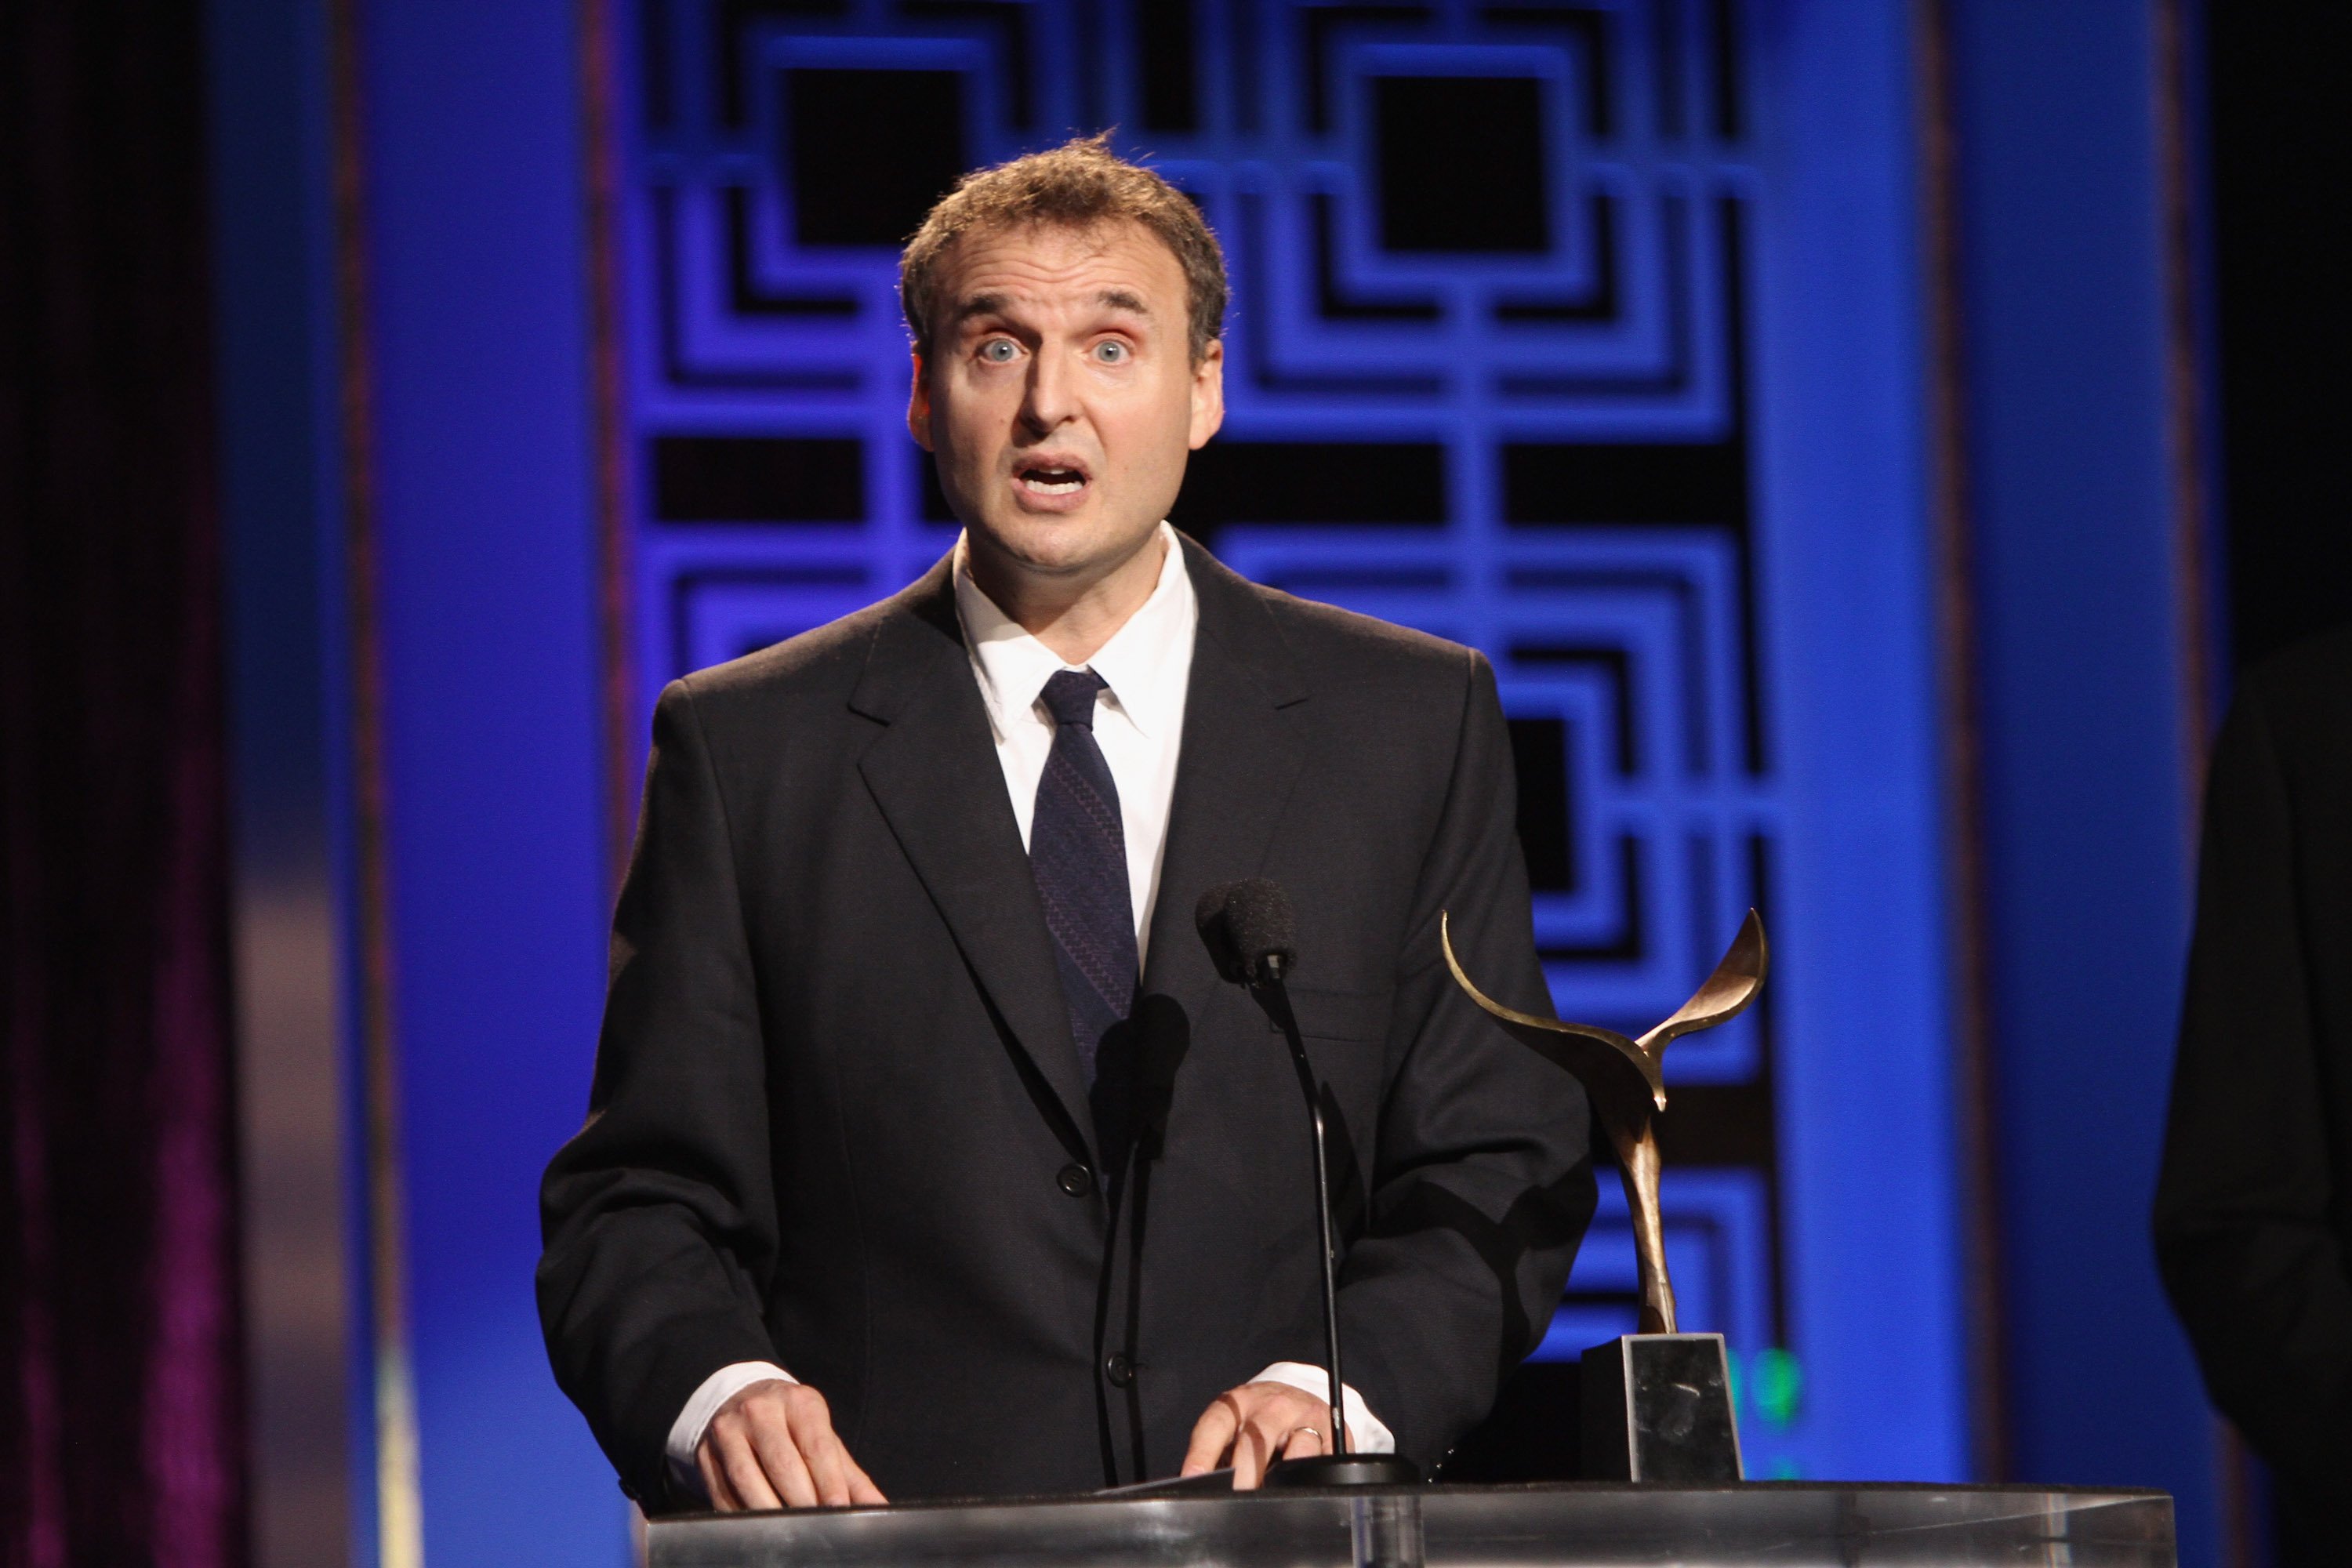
pixel 1212 1433
pixel 744 1472
pixel 1303 1442
pixel 828 1466
pixel 780 1463
pixel 862 1489
pixel 714 1480
pixel 1252 1447
pixel 820 1446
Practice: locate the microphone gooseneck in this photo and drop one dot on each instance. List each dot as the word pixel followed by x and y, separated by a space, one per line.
pixel 1253 938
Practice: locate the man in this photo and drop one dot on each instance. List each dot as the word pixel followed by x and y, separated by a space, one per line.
pixel 928 1153
pixel 2254 1204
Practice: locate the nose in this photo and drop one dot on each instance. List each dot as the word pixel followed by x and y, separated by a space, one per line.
pixel 1051 398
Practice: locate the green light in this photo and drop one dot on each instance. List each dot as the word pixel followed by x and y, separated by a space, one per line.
pixel 1778 1386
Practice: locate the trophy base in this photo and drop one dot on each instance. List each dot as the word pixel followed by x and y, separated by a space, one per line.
pixel 1657 1407
pixel 1344 1470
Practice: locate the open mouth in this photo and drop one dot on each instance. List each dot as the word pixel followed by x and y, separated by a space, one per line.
pixel 1046 478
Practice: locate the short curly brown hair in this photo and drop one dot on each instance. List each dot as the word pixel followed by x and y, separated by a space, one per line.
pixel 1080 184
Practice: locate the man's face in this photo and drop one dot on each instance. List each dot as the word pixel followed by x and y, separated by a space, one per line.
pixel 1060 398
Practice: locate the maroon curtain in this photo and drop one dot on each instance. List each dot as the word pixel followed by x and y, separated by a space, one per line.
pixel 120 1432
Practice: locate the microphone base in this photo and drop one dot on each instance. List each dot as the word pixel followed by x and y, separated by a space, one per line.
pixel 1345 1470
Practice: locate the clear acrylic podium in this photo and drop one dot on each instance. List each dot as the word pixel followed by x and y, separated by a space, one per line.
pixel 1555 1525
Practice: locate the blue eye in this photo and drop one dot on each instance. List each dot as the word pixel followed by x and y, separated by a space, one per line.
pixel 1111 353
pixel 998 351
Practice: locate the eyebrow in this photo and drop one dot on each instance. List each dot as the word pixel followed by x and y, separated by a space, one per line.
pixel 994 304
pixel 1121 299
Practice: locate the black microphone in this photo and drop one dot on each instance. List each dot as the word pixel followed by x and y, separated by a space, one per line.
pixel 1253 940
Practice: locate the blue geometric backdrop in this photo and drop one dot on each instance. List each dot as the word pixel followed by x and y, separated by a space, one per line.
pixel 1488 375
pixel 1610 337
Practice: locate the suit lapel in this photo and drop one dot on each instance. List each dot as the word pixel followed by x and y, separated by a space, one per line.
pixel 933 772
pixel 1241 755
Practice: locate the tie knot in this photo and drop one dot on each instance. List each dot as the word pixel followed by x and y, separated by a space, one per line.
pixel 1070 696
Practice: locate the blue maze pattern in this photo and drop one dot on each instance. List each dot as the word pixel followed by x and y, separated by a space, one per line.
pixel 1487 377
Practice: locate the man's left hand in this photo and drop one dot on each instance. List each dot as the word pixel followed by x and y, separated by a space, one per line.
pixel 1255 1425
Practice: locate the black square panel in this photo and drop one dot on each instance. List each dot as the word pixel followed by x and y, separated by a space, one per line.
pixel 1547 836
pixel 1610 483
pixel 870 151
pixel 758 478
pixel 1462 164
pixel 1346 482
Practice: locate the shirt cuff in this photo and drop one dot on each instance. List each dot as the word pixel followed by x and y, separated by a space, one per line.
pixel 686 1432
pixel 1367 1434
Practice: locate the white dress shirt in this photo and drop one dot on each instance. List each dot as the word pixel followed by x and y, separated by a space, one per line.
pixel 1147 668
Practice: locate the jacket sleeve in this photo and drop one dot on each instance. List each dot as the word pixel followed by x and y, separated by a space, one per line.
pixel 1483 1185
pixel 2243 1236
pixel 658 1218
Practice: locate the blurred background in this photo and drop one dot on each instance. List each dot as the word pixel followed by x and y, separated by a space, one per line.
pixel 1866 435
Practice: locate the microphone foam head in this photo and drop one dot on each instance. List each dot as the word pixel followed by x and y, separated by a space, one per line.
pixel 1245 924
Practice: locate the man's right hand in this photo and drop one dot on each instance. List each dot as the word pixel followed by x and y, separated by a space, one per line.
pixel 773 1446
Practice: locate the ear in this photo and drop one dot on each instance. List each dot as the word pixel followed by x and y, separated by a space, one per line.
pixel 1208 394
pixel 918 407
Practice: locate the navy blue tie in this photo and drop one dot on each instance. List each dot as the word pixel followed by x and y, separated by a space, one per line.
pixel 1077 852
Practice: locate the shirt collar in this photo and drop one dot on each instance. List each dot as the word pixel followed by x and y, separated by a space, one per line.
pixel 1144 663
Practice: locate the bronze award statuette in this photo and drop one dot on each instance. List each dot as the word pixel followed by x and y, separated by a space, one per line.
pixel 1656 1404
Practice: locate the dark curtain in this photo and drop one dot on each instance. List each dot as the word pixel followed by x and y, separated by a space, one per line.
pixel 121 1434
pixel 2281 178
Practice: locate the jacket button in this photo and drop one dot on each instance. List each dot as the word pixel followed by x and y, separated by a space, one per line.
pixel 1119 1369
pixel 1076 1181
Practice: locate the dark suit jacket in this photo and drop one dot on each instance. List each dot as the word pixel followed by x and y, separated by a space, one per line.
pixel 837 1112
pixel 2253 1207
